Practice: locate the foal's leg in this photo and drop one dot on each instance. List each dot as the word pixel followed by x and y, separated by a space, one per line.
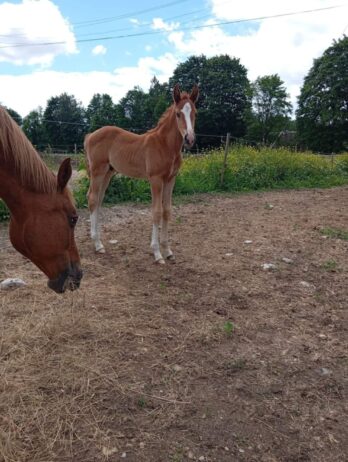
pixel 167 207
pixel 156 193
pixel 98 183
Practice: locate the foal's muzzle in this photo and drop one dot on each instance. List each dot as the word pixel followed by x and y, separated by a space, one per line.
pixel 189 140
pixel 68 279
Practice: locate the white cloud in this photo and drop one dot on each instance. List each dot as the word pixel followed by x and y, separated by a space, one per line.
pixel 159 24
pixel 26 92
pixel 29 24
pixel 99 50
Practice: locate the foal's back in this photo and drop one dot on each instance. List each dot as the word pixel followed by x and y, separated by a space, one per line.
pixel 115 148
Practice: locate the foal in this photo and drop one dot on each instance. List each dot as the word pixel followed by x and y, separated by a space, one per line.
pixel 154 155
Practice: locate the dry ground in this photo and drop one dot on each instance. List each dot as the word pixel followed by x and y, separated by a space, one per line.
pixel 212 358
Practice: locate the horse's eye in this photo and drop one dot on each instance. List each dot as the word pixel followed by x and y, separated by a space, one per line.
pixel 178 115
pixel 73 220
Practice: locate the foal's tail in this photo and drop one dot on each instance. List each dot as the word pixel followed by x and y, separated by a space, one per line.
pixel 85 144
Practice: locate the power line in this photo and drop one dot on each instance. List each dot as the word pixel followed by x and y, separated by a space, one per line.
pixel 140 34
pixel 127 15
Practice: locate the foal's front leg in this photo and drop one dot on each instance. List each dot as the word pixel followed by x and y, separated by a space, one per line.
pixel 156 193
pixel 167 208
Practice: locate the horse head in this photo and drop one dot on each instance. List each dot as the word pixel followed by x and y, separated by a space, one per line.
pixel 185 110
pixel 43 231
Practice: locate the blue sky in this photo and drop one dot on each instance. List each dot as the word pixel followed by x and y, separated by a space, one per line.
pixel 52 46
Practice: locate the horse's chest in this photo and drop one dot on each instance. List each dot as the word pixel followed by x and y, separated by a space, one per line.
pixel 176 163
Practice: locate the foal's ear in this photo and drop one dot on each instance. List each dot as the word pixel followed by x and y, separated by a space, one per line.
pixel 176 93
pixel 64 174
pixel 194 93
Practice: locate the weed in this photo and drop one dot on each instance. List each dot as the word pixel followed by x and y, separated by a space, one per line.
pixel 329 265
pixel 335 233
pixel 228 327
pixel 142 402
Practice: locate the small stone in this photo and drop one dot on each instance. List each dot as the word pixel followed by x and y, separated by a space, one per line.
pixel 322 336
pixel 248 242
pixel 324 371
pixel 241 450
pixel 177 368
pixel 190 455
pixel 12 283
pixel 287 260
pixel 305 284
pixel 113 241
pixel 226 448
pixel 269 267
pixel 201 459
pixel 141 445
pixel 124 455
pixel 228 254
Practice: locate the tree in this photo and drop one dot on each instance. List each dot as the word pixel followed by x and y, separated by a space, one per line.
pixel 136 110
pixel 64 122
pixel 158 100
pixel 34 129
pixel 224 95
pixel 101 111
pixel 15 116
pixel 322 114
pixel 270 109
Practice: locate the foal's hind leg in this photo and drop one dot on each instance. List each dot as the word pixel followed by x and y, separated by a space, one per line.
pixel 156 193
pixel 99 181
pixel 167 207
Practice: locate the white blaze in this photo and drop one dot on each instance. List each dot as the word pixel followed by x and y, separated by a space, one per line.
pixel 186 110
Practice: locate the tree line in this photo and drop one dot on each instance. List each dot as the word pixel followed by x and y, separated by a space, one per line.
pixel 252 112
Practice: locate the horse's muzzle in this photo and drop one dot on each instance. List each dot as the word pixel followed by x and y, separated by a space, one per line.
pixel 68 279
pixel 189 140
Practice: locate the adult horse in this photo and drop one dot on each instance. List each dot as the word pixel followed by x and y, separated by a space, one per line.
pixel 154 155
pixel 43 215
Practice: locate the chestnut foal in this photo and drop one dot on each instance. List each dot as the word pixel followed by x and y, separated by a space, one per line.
pixel 154 155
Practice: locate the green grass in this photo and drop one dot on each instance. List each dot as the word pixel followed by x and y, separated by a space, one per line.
pixel 335 233
pixel 4 211
pixel 330 265
pixel 247 169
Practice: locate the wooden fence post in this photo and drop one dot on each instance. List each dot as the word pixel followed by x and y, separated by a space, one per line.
pixel 227 145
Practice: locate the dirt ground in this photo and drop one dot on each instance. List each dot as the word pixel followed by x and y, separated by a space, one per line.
pixel 212 358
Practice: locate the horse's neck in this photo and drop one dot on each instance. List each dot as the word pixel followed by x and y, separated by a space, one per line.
pixel 169 130
pixel 12 192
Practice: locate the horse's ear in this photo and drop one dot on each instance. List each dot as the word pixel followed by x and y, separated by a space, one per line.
pixel 176 93
pixel 194 93
pixel 64 174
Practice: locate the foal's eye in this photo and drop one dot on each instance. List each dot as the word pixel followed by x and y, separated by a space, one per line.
pixel 73 220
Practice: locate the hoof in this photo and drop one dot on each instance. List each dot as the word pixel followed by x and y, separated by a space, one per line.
pixel 100 250
pixel 171 257
pixel 160 261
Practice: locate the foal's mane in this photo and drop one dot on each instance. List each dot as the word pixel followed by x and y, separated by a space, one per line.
pixel 32 172
pixel 168 113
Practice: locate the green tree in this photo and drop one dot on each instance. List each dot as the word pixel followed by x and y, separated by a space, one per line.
pixel 15 116
pixel 270 109
pixel 158 100
pixel 322 114
pixel 136 110
pixel 64 122
pixel 101 111
pixel 34 129
pixel 224 95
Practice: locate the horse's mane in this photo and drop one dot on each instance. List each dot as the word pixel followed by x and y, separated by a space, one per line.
pixel 167 114
pixel 32 172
